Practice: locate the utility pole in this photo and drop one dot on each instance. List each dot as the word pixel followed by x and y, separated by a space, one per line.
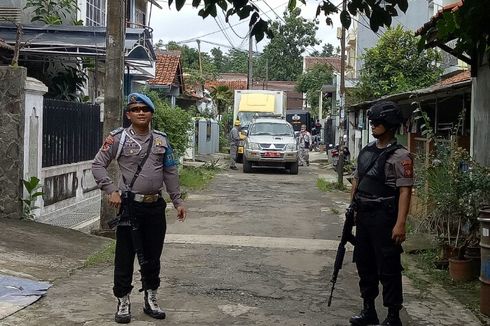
pixel 200 64
pixel 340 164
pixel 113 92
pixel 250 61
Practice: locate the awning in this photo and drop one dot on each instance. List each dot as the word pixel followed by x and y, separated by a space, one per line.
pixel 257 103
pixel 80 41
pixel 423 94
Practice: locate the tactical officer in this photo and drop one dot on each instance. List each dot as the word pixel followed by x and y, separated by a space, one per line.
pixel 234 142
pixel 381 190
pixel 146 163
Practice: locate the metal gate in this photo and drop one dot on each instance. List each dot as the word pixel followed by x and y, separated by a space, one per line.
pixel 72 132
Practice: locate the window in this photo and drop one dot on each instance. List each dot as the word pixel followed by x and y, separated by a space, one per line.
pixel 95 13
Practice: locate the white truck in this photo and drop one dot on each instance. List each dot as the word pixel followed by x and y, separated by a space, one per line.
pixel 252 102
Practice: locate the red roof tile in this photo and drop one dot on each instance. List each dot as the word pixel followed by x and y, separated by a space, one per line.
pixel 167 68
pixel 457 78
pixel 232 84
pixel 334 62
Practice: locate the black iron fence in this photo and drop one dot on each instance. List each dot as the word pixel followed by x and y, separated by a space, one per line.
pixel 72 132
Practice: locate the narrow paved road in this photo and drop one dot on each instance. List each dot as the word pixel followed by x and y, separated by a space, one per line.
pixel 261 251
pixel 256 249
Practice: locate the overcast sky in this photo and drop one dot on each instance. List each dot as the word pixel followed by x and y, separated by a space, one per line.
pixel 186 25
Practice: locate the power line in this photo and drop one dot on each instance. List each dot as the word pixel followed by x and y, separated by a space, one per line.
pixel 223 32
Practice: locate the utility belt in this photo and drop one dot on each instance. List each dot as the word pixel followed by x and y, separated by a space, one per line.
pixel 140 198
pixel 368 202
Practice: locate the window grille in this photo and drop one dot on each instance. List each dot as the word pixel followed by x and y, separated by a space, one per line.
pixel 96 13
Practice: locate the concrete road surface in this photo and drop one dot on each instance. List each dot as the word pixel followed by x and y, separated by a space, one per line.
pixel 256 249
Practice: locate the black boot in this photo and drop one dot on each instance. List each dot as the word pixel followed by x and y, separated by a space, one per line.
pixel 123 313
pixel 367 316
pixel 393 317
pixel 151 306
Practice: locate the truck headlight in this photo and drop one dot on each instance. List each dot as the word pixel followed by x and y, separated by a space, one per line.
pixel 253 146
pixel 291 147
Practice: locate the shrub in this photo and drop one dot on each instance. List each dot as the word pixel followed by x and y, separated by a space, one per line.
pixel 175 122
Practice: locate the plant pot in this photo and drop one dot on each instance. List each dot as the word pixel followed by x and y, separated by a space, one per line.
pixel 448 251
pixel 461 270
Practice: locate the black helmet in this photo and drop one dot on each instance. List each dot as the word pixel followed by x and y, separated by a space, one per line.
pixel 387 113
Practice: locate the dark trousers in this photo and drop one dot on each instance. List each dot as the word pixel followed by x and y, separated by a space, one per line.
pixel 151 228
pixel 377 256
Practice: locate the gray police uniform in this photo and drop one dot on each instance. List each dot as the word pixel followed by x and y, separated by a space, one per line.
pixel 376 255
pixel 234 142
pixel 148 209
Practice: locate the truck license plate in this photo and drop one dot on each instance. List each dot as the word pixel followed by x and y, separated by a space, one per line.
pixel 272 154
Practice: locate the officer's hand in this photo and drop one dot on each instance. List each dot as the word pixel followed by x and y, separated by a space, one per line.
pixel 398 233
pixel 114 199
pixel 181 213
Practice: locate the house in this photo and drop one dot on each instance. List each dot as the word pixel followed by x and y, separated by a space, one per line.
pixel 480 89
pixel 444 102
pixel 76 46
pixel 169 77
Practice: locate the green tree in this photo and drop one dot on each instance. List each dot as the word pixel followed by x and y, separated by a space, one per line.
pixel 395 65
pixel 311 81
pixel 175 122
pixel 237 61
pixel 468 26
pixel 292 36
pixel 53 12
pixel 222 97
pixel 219 59
pixel 190 63
pixel 379 13
pixel 327 51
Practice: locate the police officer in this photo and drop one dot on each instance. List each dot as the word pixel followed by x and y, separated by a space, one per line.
pixel 234 142
pixel 381 190
pixel 141 229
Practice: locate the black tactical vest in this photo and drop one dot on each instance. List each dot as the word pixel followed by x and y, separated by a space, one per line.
pixel 371 171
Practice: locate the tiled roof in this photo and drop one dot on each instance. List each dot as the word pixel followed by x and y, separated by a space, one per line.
pixel 334 62
pixel 432 22
pixel 232 84
pixel 457 78
pixel 167 68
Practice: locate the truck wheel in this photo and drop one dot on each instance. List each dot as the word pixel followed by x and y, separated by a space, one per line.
pixel 239 158
pixel 293 168
pixel 247 166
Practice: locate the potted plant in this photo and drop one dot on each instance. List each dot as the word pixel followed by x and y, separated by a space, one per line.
pixel 452 188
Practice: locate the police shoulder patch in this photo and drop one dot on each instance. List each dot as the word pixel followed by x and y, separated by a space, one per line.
pixel 116 131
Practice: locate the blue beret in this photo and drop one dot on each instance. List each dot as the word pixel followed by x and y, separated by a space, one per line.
pixel 138 98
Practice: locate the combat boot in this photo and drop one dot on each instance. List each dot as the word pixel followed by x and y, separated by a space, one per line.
pixel 151 306
pixel 123 313
pixel 368 315
pixel 393 317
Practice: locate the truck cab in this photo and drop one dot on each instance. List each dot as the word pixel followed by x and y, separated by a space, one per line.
pixel 250 103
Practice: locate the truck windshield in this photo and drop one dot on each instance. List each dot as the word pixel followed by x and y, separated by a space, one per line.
pixel 245 118
pixel 273 129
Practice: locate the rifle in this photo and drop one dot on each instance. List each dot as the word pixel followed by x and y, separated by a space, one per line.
pixel 347 236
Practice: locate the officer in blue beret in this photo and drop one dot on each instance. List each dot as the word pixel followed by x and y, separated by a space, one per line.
pixel 147 164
